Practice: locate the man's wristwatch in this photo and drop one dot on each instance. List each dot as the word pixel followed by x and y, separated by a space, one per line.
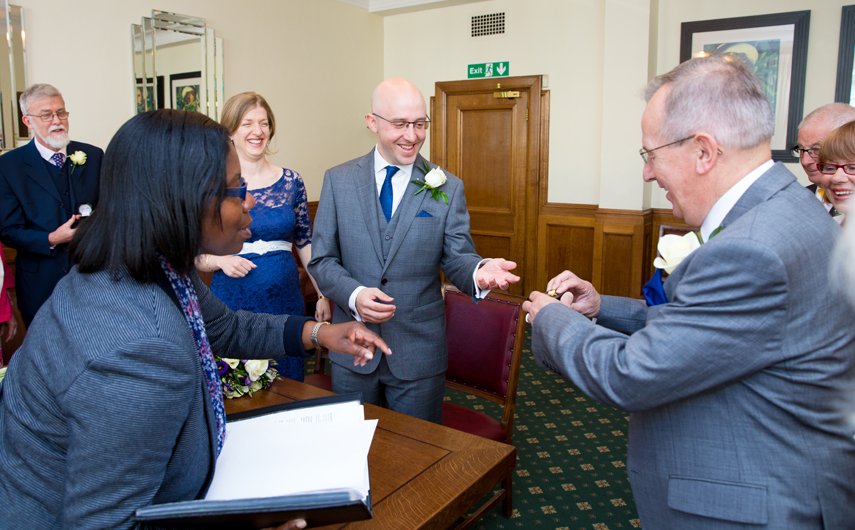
pixel 315 333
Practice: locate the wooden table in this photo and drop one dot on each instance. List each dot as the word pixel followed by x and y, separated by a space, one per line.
pixel 423 475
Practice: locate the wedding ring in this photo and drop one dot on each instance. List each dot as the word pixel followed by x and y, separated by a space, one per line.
pixel 526 319
pixel 552 293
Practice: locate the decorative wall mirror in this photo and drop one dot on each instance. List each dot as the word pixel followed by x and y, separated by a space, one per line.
pixel 13 78
pixel 177 64
pixel 846 57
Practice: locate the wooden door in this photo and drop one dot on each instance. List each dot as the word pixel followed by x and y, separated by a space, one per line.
pixel 492 142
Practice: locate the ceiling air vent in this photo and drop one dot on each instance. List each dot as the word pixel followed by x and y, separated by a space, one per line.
pixel 493 24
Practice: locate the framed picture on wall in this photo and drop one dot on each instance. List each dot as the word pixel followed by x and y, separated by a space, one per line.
pixel 776 46
pixel 846 57
pixel 184 90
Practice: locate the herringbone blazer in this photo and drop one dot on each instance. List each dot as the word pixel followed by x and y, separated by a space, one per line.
pixel 740 387
pixel 104 408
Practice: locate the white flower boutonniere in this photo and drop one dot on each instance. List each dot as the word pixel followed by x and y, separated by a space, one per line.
pixel 434 178
pixel 674 250
pixel 77 159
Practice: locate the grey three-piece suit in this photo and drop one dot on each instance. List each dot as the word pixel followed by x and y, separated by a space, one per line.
pixel 354 246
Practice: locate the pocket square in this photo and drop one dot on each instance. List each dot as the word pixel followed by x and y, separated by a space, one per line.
pixel 424 214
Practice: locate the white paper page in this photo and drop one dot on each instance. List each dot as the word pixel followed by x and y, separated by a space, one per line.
pixel 272 461
pixel 336 412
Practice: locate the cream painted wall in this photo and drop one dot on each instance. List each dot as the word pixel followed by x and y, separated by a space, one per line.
pixel 620 185
pixel 591 51
pixel 316 62
pixel 559 38
pixel 302 52
pixel 822 46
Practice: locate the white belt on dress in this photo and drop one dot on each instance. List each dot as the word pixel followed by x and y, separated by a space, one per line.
pixel 263 247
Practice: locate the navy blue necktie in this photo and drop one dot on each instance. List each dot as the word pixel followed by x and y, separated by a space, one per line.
pixel 57 159
pixel 386 192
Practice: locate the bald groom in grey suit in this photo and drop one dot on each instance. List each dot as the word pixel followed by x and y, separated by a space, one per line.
pixel 741 385
pixel 377 251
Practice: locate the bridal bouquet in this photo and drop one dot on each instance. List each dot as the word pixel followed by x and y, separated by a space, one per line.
pixel 242 376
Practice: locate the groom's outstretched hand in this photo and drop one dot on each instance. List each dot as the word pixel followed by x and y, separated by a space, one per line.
pixel 495 274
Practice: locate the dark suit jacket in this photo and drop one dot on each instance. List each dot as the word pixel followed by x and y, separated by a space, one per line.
pixel 350 248
pixel 741 388
pixel 104 408
pixel 31 208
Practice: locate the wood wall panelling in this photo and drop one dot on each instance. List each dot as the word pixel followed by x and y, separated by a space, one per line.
pixel 565 243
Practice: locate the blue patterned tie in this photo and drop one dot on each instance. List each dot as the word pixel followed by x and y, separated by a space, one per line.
pixel 386 192
pixel 58 159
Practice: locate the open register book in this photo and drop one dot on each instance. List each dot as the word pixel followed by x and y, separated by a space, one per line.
pixel 265 477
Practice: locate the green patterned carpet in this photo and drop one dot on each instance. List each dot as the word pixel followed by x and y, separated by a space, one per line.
pixel 571 454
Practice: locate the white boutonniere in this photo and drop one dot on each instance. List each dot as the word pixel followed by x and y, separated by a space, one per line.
pixel 434 178
pixel 673 249
pixel 77 159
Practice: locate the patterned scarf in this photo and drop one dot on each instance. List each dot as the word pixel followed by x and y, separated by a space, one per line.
pixel 183 288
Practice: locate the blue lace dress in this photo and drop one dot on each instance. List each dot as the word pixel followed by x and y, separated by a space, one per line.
pixel 281 213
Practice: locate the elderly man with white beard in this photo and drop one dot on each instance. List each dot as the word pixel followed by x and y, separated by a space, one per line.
pixel 46 187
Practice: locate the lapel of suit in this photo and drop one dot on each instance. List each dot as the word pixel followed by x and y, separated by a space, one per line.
pixel 409 207
pixel 771 182
pixel 366 192
pixel 37 172
pixel 78 170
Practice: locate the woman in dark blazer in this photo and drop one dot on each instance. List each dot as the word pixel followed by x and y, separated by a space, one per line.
pixel 113 402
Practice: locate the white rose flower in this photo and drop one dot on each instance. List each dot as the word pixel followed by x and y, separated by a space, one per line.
pixel 435 178
pixel 674 249
pixel 255 368
pixel 79 158
pixel 232 363
pixel 256 386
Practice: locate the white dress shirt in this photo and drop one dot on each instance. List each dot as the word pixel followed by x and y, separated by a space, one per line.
pixel 726 202
pixel 399 179
pixel 45 152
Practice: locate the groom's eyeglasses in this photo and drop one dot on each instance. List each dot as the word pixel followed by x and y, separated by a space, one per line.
pixel 239 192
pixel 419 125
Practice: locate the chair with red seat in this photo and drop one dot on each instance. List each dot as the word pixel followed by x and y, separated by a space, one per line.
pixel 484 354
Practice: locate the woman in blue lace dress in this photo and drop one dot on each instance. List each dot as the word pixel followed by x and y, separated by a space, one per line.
pixel 263 277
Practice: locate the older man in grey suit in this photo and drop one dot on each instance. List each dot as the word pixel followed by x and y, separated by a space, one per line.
pixel 739 386
pixel 379 244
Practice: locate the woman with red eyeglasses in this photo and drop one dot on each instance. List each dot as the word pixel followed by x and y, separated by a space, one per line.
pixel 837 165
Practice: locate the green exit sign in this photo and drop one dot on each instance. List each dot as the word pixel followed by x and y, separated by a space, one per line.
pixel 501 69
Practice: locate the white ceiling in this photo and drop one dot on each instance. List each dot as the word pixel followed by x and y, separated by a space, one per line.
pixel 394 7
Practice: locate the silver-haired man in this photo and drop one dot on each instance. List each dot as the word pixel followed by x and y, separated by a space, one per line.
pixel 738 385
pixel 46 186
